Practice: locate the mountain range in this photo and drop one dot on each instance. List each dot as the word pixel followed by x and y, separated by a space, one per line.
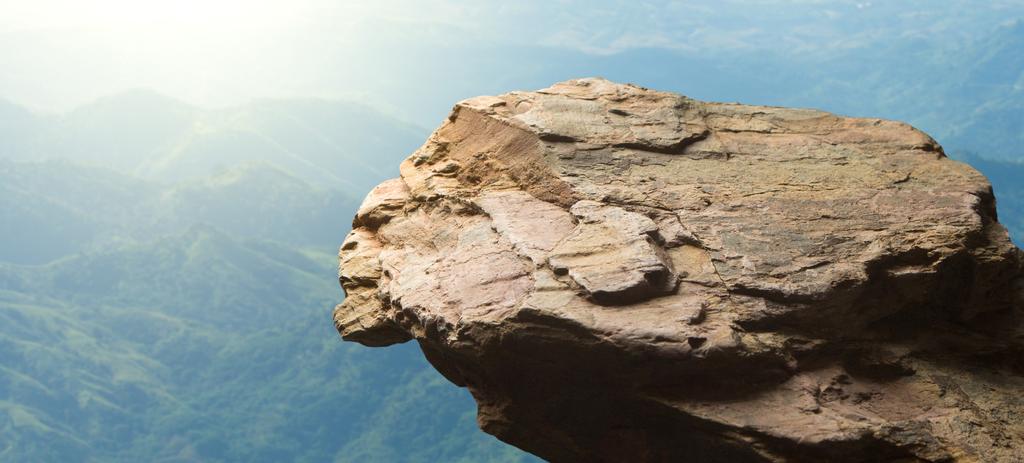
pixel 175 306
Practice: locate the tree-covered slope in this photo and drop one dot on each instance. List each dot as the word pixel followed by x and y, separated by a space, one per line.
pixel 165 293
pixel 201 347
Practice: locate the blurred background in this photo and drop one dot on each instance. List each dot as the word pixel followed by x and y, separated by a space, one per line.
pixel 175 178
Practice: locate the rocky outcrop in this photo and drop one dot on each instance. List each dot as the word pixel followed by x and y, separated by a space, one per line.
pixel 622 274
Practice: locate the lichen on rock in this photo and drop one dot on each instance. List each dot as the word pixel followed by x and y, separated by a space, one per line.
pixel 622 274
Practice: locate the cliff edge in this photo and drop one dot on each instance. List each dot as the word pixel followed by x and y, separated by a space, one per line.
pixel 620 274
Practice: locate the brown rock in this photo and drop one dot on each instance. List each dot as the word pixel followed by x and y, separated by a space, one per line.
pixel 621 274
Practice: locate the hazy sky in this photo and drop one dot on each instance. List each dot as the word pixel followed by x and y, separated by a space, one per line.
pixel 61 53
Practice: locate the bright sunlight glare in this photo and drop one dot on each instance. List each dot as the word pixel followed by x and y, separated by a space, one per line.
pixel 131 14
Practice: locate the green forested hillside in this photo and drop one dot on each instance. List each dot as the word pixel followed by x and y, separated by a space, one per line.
pixel 154 317
pixel 202 347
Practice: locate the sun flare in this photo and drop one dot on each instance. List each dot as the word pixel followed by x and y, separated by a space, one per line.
pixel 133 14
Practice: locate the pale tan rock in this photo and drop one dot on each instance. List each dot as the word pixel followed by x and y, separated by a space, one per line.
pixel 613 255
pixel 621 274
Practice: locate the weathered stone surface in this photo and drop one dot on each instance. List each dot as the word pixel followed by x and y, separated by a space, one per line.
pixel 613 255
pixel 621 274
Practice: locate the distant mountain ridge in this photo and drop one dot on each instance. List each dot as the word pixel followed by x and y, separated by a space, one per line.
pixel 966 90
pixel 330 144
pixel 51 209
pixel 166 278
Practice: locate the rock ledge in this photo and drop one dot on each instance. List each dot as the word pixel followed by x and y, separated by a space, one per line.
pixel 622 274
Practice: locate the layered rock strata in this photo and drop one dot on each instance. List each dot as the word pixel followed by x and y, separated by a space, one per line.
pixel 624 275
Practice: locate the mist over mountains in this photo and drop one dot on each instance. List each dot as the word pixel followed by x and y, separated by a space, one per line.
pixel 137 165
pixel 951 68
pixel 174 305
pixel 54 208
pixel 967 91
pixel 153 137
pixel 167 270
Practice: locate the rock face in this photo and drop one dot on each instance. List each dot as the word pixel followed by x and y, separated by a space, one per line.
pixel 621 274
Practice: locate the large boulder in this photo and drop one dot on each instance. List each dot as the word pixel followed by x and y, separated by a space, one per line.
pixel 622 274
